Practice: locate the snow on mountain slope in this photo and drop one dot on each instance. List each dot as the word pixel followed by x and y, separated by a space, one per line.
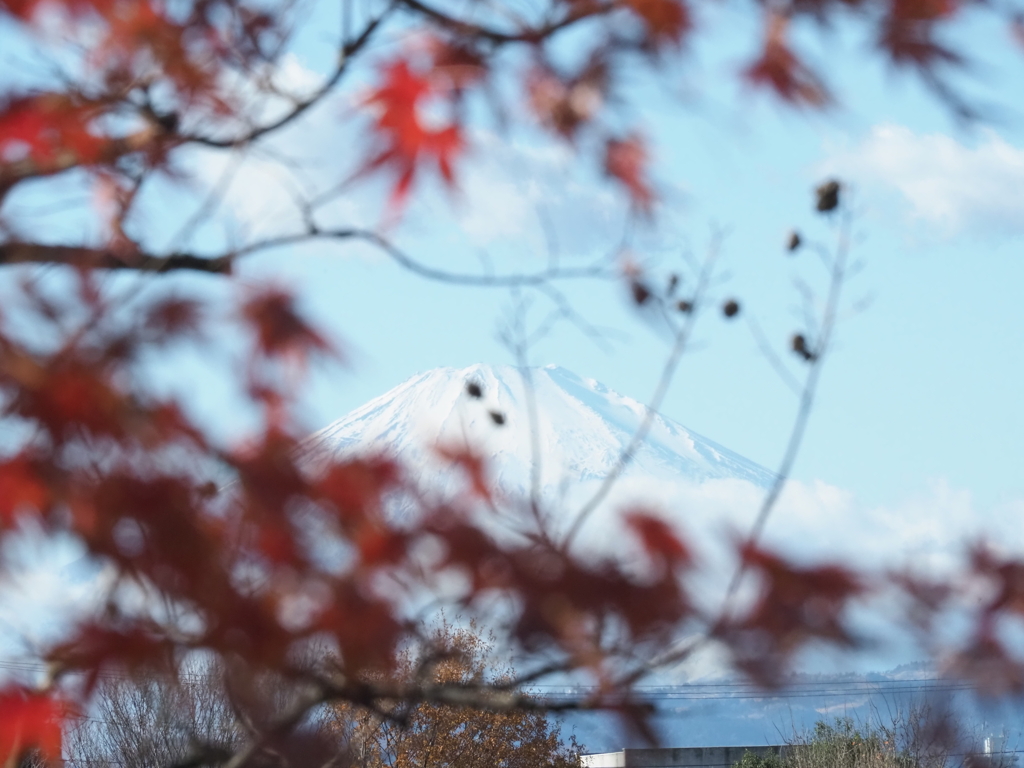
pixel 582 429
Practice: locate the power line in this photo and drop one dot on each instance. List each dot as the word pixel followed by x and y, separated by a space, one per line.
pixel 719 691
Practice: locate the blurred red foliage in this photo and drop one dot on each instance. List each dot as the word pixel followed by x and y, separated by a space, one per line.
pixel 229 540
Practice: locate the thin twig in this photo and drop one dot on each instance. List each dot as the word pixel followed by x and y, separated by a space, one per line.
pixel 668 371
pixel 823 342
pixel 776 362
pixel 499 37
pixel 345 55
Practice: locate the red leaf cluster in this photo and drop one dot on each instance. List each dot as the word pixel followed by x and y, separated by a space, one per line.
pixel 136 647
pixel 567 601
pixel 48 127
pixel 255 549
pixel 148 512
pixel 134 40
pixel 794 605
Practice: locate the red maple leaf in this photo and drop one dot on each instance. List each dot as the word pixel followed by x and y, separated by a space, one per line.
pixel 779 69
pixel 667 21
pixel 795 605
pixel 567 104
pixel 406 141
pixel 280 329
pixel 473 464
pixel 658 538
pixel 626 160
pixel 908 33
pixel 49 124
pixel 20 488
pixel 28 719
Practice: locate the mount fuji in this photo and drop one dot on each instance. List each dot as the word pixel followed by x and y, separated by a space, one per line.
pixel 580 431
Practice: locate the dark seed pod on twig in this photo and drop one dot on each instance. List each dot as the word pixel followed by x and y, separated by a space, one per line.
pixel 828 196
pixel 731 308
pixel 799 344
pixel 474 390
pixel 169 121
pixel 684 306
pixel 641 293
pixel 794 241
pixel 497 417
pixel 673 283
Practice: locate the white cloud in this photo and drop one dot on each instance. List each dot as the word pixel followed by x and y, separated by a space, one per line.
pixel 528 196
pixel 945 183
pixel 497 209
pixel 46 585
pixel 815 522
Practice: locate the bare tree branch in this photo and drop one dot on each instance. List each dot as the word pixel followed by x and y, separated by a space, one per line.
pixel 345 55
pixel 148 138
pixel 108 258
pixel 499 37
pixel 773 359
pixel 682 337
pixel 815 359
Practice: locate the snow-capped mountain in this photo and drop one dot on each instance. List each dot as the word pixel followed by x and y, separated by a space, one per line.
pixel 582 428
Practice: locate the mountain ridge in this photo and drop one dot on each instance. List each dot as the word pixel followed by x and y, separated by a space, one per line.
pixel 582 428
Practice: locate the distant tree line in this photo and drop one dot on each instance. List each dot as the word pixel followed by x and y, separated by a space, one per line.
pixel 203 718
pixel 920 736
